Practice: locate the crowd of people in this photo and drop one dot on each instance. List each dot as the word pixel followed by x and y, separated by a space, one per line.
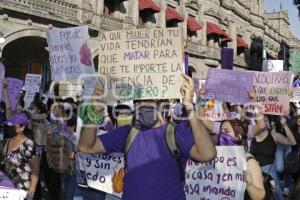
pixel 138 130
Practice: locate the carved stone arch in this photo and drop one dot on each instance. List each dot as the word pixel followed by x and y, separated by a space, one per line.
pixel 27 32
pixel 212 12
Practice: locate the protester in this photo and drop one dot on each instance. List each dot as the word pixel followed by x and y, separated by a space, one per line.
pixel 233 132
pixel 20 163
pixel 263 147
pixel 123 115
pixel 149 156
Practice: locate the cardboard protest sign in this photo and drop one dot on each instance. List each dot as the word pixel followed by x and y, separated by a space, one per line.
pixel 70 88
pixel 228 85
pixel 141 63
pixel 14 88
pixel 272 90
pixel 104 172
pixel 2 75
pixel 12 194
pixel 59 154
pixel 272 65
pixel 69 53
pixel 222 178
pixel 214 111
pixel 32 86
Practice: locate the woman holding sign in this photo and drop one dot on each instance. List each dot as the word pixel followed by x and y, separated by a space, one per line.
pixel 151 170
pixel 233 132
pixel 263 147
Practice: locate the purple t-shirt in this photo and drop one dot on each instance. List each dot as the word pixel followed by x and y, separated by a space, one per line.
pixel 152 173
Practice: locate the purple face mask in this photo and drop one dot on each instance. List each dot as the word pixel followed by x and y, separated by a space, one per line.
pixel 226 140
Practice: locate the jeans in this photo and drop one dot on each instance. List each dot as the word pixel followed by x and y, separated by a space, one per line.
pixel 281 153
pixel 69 186
pixel 278 192
pixel 91 194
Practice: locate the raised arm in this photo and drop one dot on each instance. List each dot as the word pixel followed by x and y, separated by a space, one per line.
pixel 201 110
pixel 254 180
pixel 279 138
pixel 89 142
pixel 204 149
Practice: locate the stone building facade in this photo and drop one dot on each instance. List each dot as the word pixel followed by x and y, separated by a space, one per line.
pixel 208 25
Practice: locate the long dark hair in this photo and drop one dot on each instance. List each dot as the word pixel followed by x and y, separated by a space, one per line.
pixel 240 129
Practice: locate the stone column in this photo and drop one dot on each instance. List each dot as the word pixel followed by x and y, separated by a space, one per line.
pixel 233 34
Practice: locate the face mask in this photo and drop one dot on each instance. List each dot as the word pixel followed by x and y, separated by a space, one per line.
pixel 226 140
pixel 123 121
pixel 11 131
pixel 146 117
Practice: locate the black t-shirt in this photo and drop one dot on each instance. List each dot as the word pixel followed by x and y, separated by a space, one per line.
pixel 264 151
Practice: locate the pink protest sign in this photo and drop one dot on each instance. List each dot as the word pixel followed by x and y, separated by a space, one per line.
pixel 272 89
pixel 14 88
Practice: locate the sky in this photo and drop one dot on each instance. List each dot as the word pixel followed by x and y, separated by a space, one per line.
pixel 270 5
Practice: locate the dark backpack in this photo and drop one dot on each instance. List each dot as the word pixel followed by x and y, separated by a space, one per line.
pixel 169 138
pixel 291 162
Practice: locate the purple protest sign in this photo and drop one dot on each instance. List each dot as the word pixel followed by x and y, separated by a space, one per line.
pixel 228 85
pixel 227 58
pixel 186 64
pixel 14 88
pixel 2 75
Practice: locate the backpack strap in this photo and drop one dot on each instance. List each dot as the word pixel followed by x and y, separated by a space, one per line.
pixel 171 142
pixel 130 138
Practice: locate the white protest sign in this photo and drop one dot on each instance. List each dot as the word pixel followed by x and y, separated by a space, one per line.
pixel 272 90
pixel 104 172
pixel 272 65
pixel 141 63
pixel 32 86
pixel 2 75
pixel 295 94
pixel 70 88
pixel 12 194
pixel 69 53
pixel 221 179
pixel 213 109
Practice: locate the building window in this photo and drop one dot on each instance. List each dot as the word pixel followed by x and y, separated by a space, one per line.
pixel 147 8
pixel 109 7
pixel 173 17
pixel 192 27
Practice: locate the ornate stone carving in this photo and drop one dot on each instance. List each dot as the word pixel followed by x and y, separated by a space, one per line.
pixel 87 11
pixel 212 12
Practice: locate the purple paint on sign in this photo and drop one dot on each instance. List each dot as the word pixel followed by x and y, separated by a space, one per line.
pixel 228 85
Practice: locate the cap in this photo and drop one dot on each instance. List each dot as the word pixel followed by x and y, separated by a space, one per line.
pixel 18 119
